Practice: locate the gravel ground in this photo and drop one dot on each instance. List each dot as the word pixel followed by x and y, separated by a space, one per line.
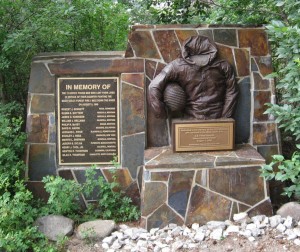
pixel 259 233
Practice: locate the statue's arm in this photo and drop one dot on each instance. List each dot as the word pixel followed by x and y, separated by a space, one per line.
pixel 156 90
pixel 231 91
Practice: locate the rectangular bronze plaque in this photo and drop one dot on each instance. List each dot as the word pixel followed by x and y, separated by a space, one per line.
pixel 204 135
pixel 88 120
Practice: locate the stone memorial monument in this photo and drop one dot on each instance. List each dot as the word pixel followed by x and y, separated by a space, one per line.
pixel 88 108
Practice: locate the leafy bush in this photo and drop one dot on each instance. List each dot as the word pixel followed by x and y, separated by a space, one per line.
pixel 286 171
pixel 12 141
pixel 64 197
pixel 112 203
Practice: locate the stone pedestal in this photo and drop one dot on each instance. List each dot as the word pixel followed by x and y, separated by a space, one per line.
pixel 185 188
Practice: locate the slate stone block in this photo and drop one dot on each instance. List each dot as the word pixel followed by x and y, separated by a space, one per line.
pixel 225 36
pixel 242 62
pixel 133 193
pixel 202 177
pixel 41 81
pixel 150 68
pixel 207 33
pixel 99 66
pixel 42 104
pixel 133 152
pixel 136 79
pixel 165 40
pixel 37 128
pixel 264 65
pixel 66 174
pixel 154 195
pixel 225 53
pixel 183 35
pixel 256 39
pixel 264 134
pixel 264 208
pixel 42 161
pixel 129 52
pixel 143 44
pixel 38 190
pixel 81 179
pixel 206 206
pixel 268 151
pixel 160 176
pixel 242 112
pixel 162 217
pixel 260 83
pixel 260 100
pixel 122 176
pixel 133 111
pixel 180 184
pixel 243 184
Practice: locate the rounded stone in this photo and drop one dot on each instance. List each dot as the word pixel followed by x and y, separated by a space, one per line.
pixel 55 227
pixel 95 229
pixel 290 209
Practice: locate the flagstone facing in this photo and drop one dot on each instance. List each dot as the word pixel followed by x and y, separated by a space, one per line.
pixel 213 188
pixel 180 188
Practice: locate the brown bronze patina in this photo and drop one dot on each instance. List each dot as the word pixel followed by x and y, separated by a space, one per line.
pixel 209 84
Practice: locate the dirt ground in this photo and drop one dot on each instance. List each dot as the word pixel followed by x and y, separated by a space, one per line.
pixel 271 241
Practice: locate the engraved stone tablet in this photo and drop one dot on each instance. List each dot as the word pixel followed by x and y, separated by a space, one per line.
pixel 204 135
pixel 88 120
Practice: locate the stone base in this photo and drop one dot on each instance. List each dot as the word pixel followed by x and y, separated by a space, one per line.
pixel 185 188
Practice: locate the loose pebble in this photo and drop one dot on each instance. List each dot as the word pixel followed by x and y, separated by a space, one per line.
pixel 175 238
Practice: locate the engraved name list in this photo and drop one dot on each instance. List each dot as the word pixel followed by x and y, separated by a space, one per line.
pixel 88 120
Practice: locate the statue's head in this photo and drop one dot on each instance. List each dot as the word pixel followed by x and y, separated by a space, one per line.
pixel 199 50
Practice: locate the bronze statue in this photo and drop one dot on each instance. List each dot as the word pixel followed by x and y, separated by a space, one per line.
pixel 209 84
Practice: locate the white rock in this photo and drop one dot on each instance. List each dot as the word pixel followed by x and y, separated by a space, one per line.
pixel 105 246
pixel 176 231
pixel 199 236
pixel 118 235
pixel 116 245
pixel 275 220
pixel 246 233
pixel 192 245
pixel 216 234
pixel 258 218
pixel 153 230
pixel 165 249
pixel 297 242
pixel 254 229
pixel 297 231
pixel 195 226
pixel 186 231
pixel 290 234
pixel 240 217
pixel 144 236
pixel 216 224
pixel 251 238
pixel 281 228
pixel 177 245
pixel 169 239
pixel 109 240
pixel 172 225
pixel 289 222
pixel 231 229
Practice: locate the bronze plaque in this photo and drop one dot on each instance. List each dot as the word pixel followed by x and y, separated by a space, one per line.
pixel 88 120
pixel 206 135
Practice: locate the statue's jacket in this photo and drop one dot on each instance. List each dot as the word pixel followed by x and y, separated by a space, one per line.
pixel 209 83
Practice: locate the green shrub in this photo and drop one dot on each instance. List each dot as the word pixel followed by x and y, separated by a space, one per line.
pixel 64 197
pixel 286 171
pixel 12 141
pixel 112 203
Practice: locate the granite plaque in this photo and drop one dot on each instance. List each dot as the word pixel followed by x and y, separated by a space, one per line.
pixel 203 135
pixel 88 120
